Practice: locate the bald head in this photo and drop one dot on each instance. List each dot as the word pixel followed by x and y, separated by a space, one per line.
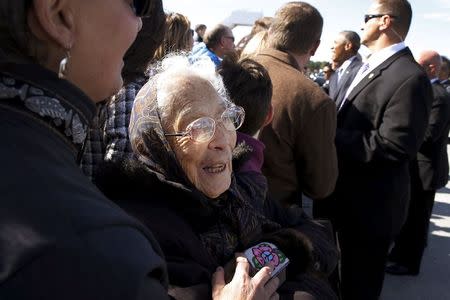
pixel 431 61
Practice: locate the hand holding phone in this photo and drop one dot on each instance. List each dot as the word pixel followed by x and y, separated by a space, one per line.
pixel 265 254
pixel 259 256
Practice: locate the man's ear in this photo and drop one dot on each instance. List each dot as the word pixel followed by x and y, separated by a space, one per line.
pixel 384 23
pixel 269 116
pixel 222 42
pixel 314 48
pixel 348 46
pixel 54 22
pixel 432 68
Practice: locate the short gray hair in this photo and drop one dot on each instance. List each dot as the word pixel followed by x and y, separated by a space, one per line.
pixel 179 65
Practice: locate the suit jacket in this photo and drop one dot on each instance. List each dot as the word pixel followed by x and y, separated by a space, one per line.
pixel 300 154
pixel 432 158
pixel 338 89
pixel 380 129
pixel 446 85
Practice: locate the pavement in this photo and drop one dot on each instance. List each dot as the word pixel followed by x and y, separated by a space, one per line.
pixel 433 282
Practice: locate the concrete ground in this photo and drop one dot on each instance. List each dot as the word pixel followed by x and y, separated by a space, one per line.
pixel 433 282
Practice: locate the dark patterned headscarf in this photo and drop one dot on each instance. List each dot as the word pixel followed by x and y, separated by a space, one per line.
pixel 239 222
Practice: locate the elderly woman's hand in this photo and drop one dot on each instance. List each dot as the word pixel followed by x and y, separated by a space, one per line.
pixel 244 287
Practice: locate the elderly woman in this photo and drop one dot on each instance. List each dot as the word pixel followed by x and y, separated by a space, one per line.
pixel 60 238
pixel 183 129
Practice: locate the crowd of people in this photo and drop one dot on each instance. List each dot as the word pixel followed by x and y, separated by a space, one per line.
pixel 143 159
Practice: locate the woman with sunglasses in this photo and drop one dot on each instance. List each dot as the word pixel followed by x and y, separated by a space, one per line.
pixel 183 132
pixel 60 238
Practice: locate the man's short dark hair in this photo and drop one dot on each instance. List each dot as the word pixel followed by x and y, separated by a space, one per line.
pixel 212 37
pixel 402 11
pixel 353 38
pixel 248 84
pixel 445 63
pixel 445 67
pixel 297 26
pixel 199 27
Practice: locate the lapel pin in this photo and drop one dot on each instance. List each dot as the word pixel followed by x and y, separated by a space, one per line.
pixel 371 75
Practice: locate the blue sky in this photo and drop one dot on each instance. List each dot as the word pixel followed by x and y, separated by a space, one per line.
pixel 430 28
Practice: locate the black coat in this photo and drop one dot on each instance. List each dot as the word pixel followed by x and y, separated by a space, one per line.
pixel 177 217
pixel 379 130
pixel 432 160
pixel 338 89
pixel 60 238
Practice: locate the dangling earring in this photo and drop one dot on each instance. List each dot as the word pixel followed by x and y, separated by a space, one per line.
pixel 63 66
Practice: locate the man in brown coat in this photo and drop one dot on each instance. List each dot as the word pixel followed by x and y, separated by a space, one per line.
pixel 300 155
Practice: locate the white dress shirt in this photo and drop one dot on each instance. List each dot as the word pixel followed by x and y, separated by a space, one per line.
pixel 341 70
pixel 374 61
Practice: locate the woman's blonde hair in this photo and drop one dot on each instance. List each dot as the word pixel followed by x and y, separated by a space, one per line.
pixel 178 36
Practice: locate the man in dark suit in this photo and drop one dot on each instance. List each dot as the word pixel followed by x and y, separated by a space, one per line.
pixel 429 172
pixel 445 73
pixel 345 56
pixel 380 126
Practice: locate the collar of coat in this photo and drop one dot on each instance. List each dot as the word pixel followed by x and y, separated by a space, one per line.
pixel 281 56
pixel 38 92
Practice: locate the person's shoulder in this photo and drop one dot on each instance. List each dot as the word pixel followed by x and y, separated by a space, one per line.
pixel 199 49
pixel 405 65
pixel 355 64
pixel 312 94
pixel 440 91
pixel 302 95
pixel 276 61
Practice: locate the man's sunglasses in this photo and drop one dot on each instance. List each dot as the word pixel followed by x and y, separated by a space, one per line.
pixel 368 17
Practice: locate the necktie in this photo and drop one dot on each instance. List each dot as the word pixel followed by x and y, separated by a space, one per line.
pixel 364 68
pixel 340 71
pixel 360 75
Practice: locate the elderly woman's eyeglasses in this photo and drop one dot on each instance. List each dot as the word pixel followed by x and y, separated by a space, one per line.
pixel 202 129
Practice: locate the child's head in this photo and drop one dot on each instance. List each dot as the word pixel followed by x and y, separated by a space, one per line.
pixel 249 85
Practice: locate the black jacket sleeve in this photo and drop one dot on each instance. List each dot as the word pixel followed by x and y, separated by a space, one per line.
pixel 111 263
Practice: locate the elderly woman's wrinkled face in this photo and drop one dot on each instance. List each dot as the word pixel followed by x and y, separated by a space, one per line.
pixel 104 30
pixel 206 164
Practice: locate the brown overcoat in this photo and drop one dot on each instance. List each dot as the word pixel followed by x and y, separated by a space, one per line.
pixel 300 155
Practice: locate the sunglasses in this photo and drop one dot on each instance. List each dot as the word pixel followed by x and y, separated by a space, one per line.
pixel 369 17
pixel 141 7
pixel 203 129
pixel 230 37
